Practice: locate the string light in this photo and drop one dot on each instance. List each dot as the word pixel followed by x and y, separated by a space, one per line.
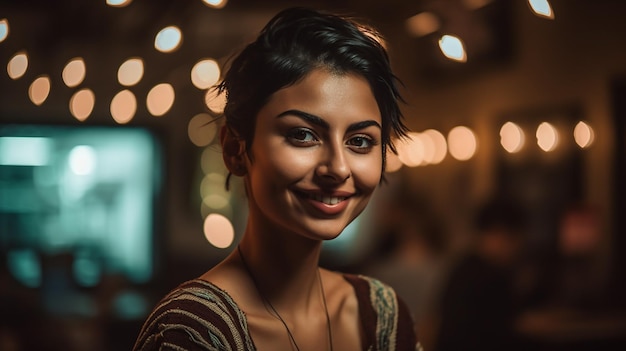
pixel 4 29
pixel 511 137
pixel 118 3
pixel 123 106
pixel 541 8
pixel 130 72
pixel 39 90
pixel 168 39
pixel 160 99
pixel 74 72
pixel 453 48
pixel 462 143
pixel 17 66
pixel 547 136
pixel 216 4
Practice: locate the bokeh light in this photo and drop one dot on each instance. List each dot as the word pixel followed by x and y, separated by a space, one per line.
pixel 422 24
pixel 130 72
pixel 202 129
pixel 123 106
pixel 160 99
pixel 541 8
pixel 74 72
pixel 215 101
pixel 547 136
pixel 437 145
pixel 205 74
pixel 452 47
pixel 583 134
pixel 392 162
pixel 39 90
pixel 17 66
pixel 168 39
pixel 4 29
pixel 462 143
pixel 118 3
pixel 218 230
pixel 82 160
pixel 511 137
pixel 82 103
pixel 217 4
pixel 411 150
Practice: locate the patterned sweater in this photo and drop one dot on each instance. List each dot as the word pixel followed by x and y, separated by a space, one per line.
pixel 198 315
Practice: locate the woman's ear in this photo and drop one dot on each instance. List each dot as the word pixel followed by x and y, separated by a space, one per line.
pixel 233 151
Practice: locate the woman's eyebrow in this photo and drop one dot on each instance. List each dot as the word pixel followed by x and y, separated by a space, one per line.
pixel 313 119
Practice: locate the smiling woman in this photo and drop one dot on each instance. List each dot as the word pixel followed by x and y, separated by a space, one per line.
pixel 311 108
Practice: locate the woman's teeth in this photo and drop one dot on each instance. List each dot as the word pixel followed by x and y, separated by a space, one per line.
pixel 327 199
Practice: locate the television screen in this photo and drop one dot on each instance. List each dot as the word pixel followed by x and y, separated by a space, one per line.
pixel 84 192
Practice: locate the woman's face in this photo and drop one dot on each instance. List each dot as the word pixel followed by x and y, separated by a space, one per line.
pixel 316 156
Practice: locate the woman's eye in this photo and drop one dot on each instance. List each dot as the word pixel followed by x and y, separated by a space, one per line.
pixel 362 143
pixel 301 136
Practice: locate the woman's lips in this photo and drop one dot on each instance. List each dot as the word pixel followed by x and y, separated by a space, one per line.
pixel 326 203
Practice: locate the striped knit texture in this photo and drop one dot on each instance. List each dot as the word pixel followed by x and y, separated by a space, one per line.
pixel 198 315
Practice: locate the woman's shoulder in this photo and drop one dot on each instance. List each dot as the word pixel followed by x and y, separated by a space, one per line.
pixel 371 288
pixel 183 317
pixel 384 316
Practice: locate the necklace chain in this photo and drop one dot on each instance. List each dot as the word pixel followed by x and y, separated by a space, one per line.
pixel 277 315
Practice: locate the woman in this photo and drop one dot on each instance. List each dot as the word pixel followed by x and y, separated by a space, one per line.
pixel 311 108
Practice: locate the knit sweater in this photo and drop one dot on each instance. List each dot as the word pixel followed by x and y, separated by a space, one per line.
pixel 198 315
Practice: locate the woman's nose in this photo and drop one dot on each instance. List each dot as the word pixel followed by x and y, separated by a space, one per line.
pixel 333 165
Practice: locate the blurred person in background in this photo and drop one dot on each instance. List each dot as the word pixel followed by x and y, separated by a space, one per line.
pixel 478 307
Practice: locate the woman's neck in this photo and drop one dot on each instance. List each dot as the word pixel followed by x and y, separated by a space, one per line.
pixel 284 266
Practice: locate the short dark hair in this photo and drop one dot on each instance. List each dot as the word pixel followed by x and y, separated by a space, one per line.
pixel 294 43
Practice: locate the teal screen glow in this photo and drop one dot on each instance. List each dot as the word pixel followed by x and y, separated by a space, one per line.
pixel 83 191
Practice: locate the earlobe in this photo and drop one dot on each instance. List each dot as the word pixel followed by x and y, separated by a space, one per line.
pixel 233 152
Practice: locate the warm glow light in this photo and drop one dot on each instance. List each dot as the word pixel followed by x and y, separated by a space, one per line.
pixel 422 24
pixel 392 161
pixel 160 99
pixel 168 39
pixel 476 4
pixel 4 29
pixel 439 146
pixel 213 193
pixel 411 150
pixel 583 134
pixel 214 101
pixel 541 8
pixel 123 106
pixel 17 66
pixel 202 129
pixel 39 90
pixel 82 103
pixel 218 230
pixel 118 3
pixel 130 72
pixel 74 72
pixel 452 47
pixel 547 137
pixel 511 137
pixel 205 74
pixel 462 143
pixel 217 4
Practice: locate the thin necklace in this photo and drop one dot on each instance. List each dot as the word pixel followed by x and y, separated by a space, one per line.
pixel 275 313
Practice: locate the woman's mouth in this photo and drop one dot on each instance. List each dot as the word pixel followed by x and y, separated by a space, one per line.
pixel 326 199
pixel 330 204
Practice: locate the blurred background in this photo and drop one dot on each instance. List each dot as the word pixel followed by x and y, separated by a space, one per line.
pixel 501 223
